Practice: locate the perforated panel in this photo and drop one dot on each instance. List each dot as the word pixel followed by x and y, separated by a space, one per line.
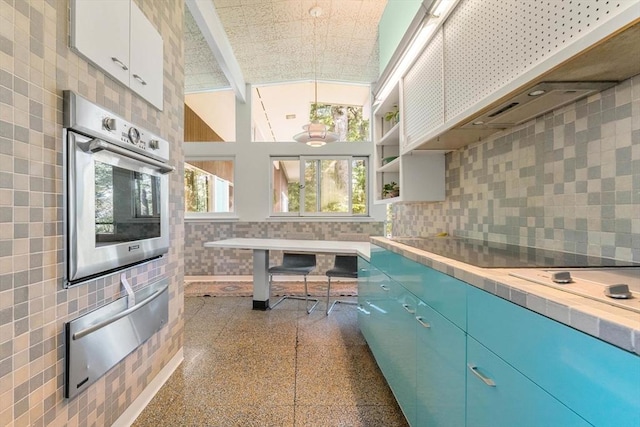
pixel 423 102
pixel 488 43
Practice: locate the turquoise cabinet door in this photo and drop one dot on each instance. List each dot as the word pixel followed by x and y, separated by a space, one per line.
pixel 364 292
pixel 500 396
pixel 440 370
pixel 597 380
pixel 402 337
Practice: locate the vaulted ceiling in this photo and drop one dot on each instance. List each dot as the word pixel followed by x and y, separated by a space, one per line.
pixel 273 41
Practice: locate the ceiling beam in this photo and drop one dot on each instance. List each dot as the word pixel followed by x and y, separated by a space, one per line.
pixel 205 15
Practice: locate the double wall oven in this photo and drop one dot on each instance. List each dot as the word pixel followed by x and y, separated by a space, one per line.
pixel 116 183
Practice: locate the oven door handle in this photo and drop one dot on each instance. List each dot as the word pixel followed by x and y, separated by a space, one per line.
pixel 96 145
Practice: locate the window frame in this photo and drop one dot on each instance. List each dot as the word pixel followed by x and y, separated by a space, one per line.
pixel 212 215
pixel 302 213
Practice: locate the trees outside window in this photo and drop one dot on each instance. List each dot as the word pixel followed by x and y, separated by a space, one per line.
pixel 329 186
pixel 345 120
pixel 208 186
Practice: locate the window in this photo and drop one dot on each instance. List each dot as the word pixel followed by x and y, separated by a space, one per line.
pixel 208 186
pixel 345 120
pixel 319 186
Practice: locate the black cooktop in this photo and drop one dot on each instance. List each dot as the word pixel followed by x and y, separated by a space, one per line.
pixel 501 255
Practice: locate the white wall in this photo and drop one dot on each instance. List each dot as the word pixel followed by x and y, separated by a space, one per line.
pixel 253 170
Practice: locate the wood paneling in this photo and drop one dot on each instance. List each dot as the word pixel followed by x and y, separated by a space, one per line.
pixel 196 130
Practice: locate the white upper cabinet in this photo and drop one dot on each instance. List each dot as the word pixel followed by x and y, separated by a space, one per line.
pixel 100 32
pixel 117 37
pixel 146 58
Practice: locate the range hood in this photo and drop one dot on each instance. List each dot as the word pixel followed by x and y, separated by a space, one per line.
pixel 593 70
pixel 535 101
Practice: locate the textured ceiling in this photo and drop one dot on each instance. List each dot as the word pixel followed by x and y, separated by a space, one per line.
pixel 273 41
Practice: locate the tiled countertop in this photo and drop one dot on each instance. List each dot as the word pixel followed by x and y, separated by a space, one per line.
pixel 614 325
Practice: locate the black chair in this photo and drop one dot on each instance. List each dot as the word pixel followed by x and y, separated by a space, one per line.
pixel 344 266
pixel 295 264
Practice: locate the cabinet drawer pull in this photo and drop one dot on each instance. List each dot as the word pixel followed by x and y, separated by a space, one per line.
pixel 385 288
pixel 362 310
pixel 408 308
pixel 420 320
pixel 488 381
pixel 140 79
pixel 120 63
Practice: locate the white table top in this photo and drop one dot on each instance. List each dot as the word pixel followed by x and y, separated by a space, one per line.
pixel 315 246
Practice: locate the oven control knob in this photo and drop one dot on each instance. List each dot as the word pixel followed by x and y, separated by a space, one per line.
pixel 154 144
pixel 109 123
pixel 134 135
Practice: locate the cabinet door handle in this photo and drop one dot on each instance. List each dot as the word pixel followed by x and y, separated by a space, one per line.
pixel 408 308
pixel 385 288
pixel 120 63
pixel 488 381
pixel 140 79
pixel 420 320
pixel 362 310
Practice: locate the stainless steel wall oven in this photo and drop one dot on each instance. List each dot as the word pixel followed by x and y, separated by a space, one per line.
pixel 116 204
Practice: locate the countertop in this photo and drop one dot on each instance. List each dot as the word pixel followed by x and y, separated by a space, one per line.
pixel 317 246
pixel 614 325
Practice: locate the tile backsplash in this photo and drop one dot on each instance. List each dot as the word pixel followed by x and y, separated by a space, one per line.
pixel 568 180
pixel 36 65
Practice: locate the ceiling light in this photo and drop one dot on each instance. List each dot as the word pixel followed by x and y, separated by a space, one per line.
pixel 315 133
pixel 537 92
pixel 478 123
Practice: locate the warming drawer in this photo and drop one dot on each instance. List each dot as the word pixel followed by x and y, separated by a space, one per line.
pixel 99 340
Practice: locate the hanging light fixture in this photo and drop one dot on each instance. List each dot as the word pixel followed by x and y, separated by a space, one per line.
pixel 315 133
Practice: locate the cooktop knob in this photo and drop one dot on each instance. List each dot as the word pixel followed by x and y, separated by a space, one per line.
pixel 154 144
pixel 109 123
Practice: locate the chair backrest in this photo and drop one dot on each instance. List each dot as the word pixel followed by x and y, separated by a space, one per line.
pixel 298 260
pixel 346 263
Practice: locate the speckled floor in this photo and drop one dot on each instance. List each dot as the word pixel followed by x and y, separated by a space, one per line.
pixel 272 368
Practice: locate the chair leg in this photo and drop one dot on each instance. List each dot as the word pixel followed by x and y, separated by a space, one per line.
pixel 305 298
pixel 328 292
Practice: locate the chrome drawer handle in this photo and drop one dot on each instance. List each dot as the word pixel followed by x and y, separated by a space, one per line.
pixel 140 79
pixel 385 288
pixel 420 320
pixel 120 63
pixel 408 308
pixel 488 381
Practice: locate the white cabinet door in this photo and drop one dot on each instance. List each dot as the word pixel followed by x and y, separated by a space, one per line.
pixel 100 33
pixel 146 58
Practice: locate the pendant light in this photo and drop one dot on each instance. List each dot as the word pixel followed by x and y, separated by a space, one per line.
pixel 315 133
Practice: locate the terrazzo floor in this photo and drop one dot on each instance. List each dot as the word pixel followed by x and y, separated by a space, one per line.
pixel 280 367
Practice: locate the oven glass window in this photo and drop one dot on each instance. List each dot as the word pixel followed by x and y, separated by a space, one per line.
pixel 127 205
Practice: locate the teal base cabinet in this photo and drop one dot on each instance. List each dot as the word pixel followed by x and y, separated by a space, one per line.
pixel 440 374
pixel 499 395
pixel 598 381
pixel 455 355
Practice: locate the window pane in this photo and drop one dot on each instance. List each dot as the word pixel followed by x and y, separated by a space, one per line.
pixel 334 188
pixel 286 186
pixel 310 186
pixel 359 187
pixel 208 185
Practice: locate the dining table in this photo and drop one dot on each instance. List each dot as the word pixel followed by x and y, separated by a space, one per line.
pixel 262 246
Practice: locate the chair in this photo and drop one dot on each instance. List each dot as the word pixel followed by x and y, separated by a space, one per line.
pixel 295 264
pixel 344 266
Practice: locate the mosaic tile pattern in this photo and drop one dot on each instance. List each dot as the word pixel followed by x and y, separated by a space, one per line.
pixel 201 261
pixel 568 181
pixel 36 65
